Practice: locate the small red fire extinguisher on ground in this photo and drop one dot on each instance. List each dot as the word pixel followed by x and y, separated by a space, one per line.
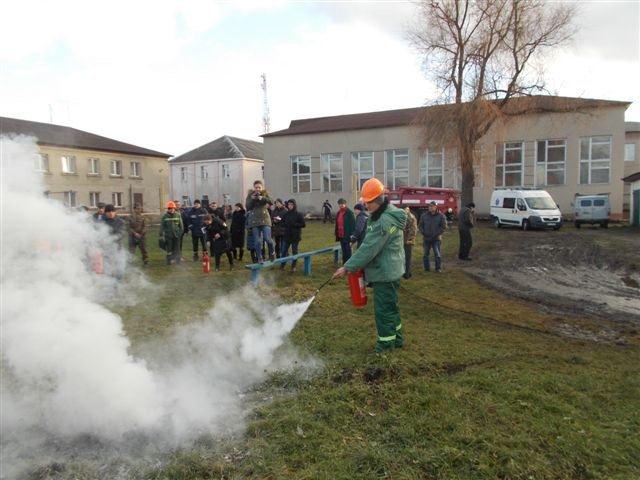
pixel 206 263
pixel 357 289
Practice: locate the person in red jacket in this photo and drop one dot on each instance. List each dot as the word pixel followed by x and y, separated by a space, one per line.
pixel 344 227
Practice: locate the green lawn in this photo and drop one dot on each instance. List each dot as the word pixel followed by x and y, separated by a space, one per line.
pixel 465 398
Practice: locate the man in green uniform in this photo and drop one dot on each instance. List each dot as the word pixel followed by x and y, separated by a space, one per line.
pixel 381 255
pixel 171 230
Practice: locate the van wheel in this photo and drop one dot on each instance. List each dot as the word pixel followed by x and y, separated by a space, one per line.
pixel 577 224
pixel 525 225
pixel 496 222
pixel 604 224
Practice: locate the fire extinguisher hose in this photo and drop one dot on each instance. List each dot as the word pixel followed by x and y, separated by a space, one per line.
pixel 323 285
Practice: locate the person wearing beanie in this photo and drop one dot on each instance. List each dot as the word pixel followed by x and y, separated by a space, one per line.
pixel 345 224
pixel 360 229
pixel 467 222
pixel 293 223
pixel 195 217
pixel 277 227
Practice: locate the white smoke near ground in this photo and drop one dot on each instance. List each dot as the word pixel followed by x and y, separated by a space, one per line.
pixel 67 370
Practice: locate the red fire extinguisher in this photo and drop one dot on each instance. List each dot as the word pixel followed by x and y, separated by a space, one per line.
pixel 206 263
pixel 357 289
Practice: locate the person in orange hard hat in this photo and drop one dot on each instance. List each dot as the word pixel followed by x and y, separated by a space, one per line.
pixel 381 256
pixel 171 229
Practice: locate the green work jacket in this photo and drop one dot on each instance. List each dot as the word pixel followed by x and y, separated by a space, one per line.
pixel 171 225
pixel 381 255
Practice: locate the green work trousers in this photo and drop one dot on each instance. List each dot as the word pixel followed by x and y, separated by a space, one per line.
pixel 173 250
pixel 388 323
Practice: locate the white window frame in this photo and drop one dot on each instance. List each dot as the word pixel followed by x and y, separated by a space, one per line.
pixel 427 170
pixel 70 198
pixel 391 175
pixel 505 147
pixel 363 175
pixel 204 173
pixel 544 167
pixel 94 199
pixel 296 176
pixel 69 165
pixel 184 174
pixel 116 199
pixel 629 152
pixel 41 162
pixel 117 171
pixel 226 170
pixel 136 169
pixel 94 165
pixel 329 175
pixel 589 162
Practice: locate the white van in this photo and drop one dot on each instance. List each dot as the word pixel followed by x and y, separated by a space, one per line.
pixel 591 209
pixel 525 209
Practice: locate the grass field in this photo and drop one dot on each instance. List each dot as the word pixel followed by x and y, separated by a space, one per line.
pixel 466 398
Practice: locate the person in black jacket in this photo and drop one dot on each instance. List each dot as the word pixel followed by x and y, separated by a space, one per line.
pixel 277 228
pixel 195 217
pixel 238 222
pixel 217 235
pixel 467 222
pixel 293 222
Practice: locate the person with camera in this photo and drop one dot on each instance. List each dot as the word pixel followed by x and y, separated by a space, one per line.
pixel 257 203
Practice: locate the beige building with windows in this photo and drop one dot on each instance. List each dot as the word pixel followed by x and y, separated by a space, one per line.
pixel 220 171
pixel 81 168
pixel 563 145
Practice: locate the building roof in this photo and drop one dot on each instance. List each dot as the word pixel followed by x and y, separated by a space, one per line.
pixel 631 127
pixel 223 147
pixel 61 136
pixel 409 116
pixel 632 178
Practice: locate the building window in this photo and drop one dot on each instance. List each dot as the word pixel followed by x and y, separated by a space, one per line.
pixel 186 201
pixel 226 170
pixel 595 159
pixel 204 173
pixel 397 169
pixel 551 157
pixel 136 171
pixel 331 172
pixel 94 166
pixel 116 168
pixel 116 199
pixel 629 152
pixel 183 174
pixel 70 199
pixel 509 162
pixel 68 164
pixel 431 168
pixel 362 164
pixel 300 173
pixel 41 162
pixel 94 199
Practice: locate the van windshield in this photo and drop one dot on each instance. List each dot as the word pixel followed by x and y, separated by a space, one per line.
pixel 540 203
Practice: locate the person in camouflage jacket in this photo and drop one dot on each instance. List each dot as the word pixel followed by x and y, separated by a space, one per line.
pixel 137 233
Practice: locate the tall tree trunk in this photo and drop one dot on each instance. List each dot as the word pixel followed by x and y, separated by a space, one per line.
pixel 466 149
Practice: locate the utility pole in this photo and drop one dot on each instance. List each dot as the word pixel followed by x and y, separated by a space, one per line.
pixel 266 120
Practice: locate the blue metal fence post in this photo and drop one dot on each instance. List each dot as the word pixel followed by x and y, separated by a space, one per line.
pixel 307 265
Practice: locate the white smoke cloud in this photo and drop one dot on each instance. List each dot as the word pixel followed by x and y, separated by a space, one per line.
pixel 66 364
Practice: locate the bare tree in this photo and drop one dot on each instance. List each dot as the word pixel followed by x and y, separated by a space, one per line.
pixel 481 54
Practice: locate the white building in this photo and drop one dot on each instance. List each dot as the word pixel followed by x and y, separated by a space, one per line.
pixel 221 171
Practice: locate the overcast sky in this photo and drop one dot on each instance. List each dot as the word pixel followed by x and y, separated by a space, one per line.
pixel 174 74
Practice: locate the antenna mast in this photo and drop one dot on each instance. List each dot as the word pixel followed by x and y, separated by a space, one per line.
pixel 266 120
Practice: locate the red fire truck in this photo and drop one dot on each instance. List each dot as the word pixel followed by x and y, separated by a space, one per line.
pixel 418 198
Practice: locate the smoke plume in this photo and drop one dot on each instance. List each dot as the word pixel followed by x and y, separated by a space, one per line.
pixel 67 370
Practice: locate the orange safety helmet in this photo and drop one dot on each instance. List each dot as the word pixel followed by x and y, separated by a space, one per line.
pixel 170 204
pixel 372 189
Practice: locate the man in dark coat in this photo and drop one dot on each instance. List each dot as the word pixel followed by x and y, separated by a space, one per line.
pixel 195 218
pixel 326 210
pixel 467 222
pixel 238 220
pixel 432 225
pixel 277 228
pixel 217 234
pixel 293 223
pixel 361 224
pixel 345 225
